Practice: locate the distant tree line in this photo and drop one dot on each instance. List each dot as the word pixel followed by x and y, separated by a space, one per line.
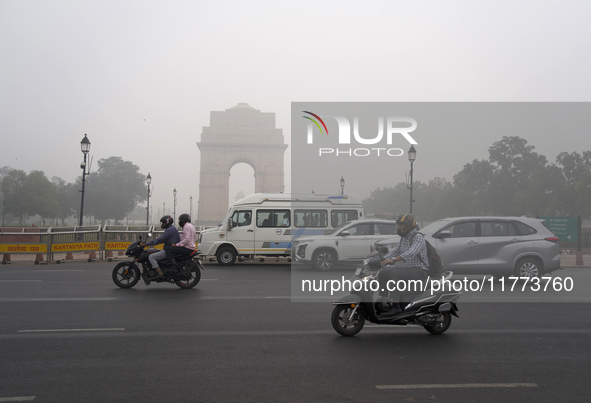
pixel 514 181
pixel 111 192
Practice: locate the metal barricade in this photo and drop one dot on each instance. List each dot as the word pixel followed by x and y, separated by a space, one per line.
pixel 116 238
pixel 75 243
pixel 24 241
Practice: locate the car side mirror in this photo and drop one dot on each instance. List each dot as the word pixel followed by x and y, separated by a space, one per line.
pixel 444 234
pixel 345 233
pixel 229 224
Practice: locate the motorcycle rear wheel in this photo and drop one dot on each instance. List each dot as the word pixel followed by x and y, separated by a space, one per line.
pixel 126 275
pixel 441 325
pixel 193 280
pixel 343 324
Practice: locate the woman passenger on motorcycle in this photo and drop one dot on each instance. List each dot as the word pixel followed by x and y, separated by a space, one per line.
pixel 170 237
pixel 410 259
pixel 186 246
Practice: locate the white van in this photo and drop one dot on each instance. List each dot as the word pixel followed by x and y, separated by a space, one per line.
pixel 265 224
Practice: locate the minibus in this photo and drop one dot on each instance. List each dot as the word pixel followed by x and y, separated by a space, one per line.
pixel 266 224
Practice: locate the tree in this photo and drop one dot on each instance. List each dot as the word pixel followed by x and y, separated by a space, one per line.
pixel 115 189
pixel 12 189
pixel 574 190
pixel 68 198
pixel 39 196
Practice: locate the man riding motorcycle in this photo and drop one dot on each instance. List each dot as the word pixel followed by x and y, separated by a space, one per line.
pixel 186 246
pixel 410 255
pixel 169 237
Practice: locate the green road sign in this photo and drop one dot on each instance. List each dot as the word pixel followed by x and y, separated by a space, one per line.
pixel 565 228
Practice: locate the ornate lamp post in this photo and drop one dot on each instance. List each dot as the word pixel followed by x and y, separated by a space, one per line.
pixel 149 181
pixel 342 186
pixel 412 156
pixel 174 207
pixel 85 147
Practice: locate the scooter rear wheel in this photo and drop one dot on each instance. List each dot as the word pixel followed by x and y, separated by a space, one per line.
pixel 441 325
pixel 344 324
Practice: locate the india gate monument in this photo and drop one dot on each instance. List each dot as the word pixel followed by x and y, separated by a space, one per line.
pixel 239 134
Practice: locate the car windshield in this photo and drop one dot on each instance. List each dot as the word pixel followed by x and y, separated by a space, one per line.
pixel 337 229
pixel 434 227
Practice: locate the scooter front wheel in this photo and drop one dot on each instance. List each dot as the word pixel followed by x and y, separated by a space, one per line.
pixel 345 324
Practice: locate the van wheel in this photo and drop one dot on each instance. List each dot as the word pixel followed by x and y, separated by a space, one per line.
pixel 528 267
pixel 324 259
pixel 226 256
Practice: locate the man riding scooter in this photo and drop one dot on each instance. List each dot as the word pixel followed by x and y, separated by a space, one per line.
pixel 169 237
pixel 410 256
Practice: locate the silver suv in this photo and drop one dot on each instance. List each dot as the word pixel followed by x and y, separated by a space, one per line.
pixel 498 246
pixel 350 243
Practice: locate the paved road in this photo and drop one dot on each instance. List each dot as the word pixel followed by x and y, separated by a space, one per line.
pixel 69 334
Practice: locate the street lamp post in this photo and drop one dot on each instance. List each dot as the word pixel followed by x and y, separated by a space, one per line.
pixel 85 147
pixel 191 206
pixel 342 186
pixel 412 156
pixel 149 181
pixel 174 207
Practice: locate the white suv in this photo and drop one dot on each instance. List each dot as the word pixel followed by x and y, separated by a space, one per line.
pixel 351 243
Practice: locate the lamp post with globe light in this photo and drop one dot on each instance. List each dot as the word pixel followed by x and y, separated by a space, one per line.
pixel 85 147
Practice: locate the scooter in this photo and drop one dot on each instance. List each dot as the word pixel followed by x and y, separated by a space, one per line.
pixel 185 273
pixel 432 310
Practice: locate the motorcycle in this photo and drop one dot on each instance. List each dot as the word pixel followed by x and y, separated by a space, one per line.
pixel 432 310
pixel 185 272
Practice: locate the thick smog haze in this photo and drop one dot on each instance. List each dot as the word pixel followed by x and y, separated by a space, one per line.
pixel 140 78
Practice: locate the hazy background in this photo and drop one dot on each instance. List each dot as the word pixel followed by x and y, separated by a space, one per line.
pixel 141 77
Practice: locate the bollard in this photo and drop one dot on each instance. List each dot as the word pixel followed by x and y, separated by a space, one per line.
pixel 579 261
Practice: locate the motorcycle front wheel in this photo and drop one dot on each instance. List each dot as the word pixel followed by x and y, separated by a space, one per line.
pixel 441 324
pixel 126 275
pixel 194 277
pixel 344 324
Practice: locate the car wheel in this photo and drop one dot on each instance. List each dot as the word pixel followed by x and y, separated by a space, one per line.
pixel 528 267
pixel 226 256
pixel 324 259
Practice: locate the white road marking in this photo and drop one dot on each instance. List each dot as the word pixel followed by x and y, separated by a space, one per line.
pixel 17 399
pixel 74 299
pixel 46 270
pixel 14 281
pixel 120 329
pixel 460 385
pixel 210 279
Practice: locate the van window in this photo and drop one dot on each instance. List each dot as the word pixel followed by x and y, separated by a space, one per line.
pixel 271 218
pixel 241 218
pixel 310 218
pixel 339 217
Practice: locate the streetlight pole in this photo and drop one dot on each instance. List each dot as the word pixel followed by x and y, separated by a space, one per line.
pixel 85 147
pixel 174 207
pixel 191 206
pixel 149 180
pixel 412 156
pixel 342 186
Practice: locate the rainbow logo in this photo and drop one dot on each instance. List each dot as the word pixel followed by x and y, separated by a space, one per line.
pixel 315 122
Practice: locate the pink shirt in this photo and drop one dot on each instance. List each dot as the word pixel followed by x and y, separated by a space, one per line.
pixel 188 237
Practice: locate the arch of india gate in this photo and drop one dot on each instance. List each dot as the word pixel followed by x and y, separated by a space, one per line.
pixel 236 135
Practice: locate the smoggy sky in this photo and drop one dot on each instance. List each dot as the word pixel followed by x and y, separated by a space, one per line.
pixel 141 77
